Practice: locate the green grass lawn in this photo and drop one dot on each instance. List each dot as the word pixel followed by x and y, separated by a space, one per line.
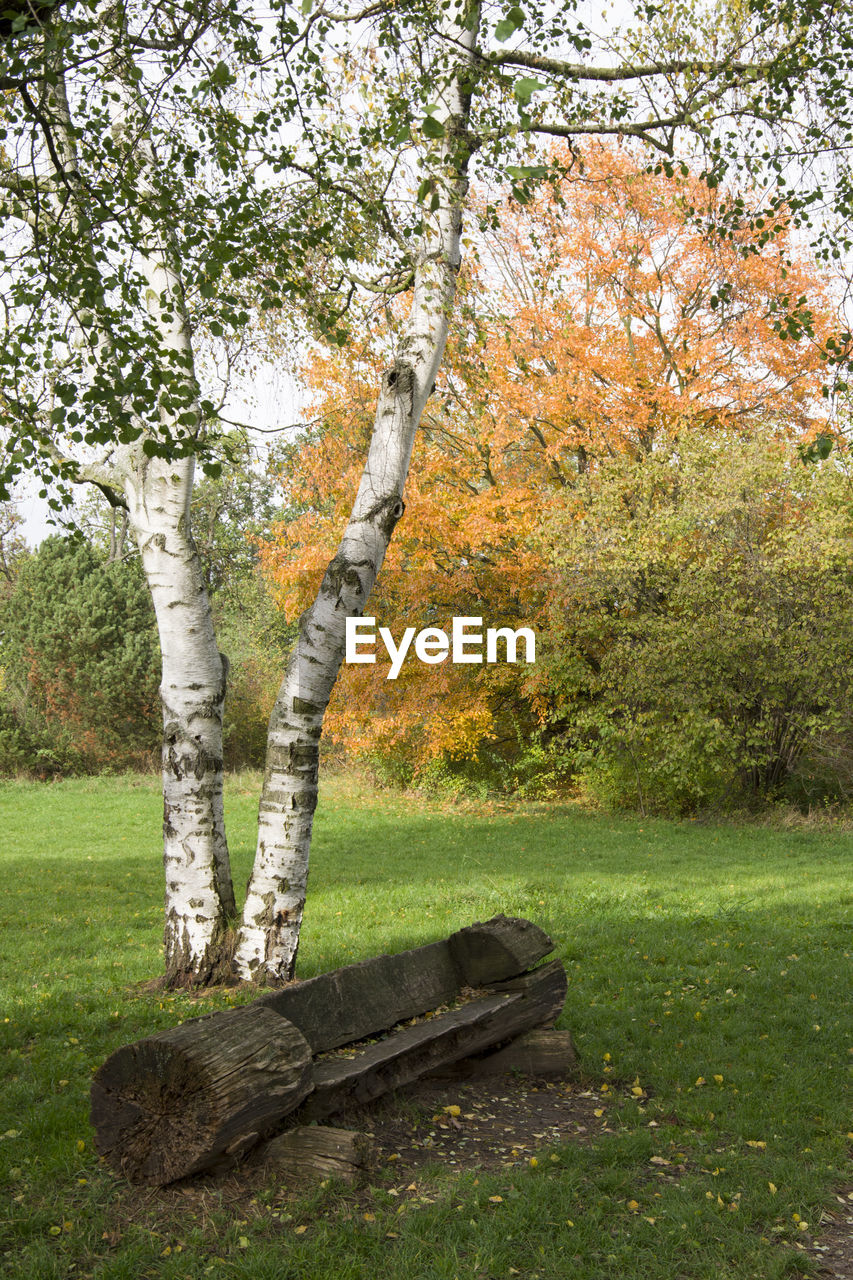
pixel 709 962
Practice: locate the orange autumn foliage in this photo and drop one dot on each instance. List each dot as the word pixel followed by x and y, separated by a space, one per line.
pixel 599 320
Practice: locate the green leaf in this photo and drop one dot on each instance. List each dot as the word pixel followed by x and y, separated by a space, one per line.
pixel 510 24
pixel 221 77
pixel 522 172
pixel 819 449
pixel 432 128
pixel 525 88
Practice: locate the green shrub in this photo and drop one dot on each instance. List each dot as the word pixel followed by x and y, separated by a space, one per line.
pixel 700 645
pixel 81 664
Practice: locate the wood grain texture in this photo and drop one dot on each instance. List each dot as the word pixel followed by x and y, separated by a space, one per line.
pixel 168 1106
pixel 411 1052
pixel 312 1152
pixel 363 999
pixel 498 948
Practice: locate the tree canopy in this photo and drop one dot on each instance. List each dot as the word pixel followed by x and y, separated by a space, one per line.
pixel 592 330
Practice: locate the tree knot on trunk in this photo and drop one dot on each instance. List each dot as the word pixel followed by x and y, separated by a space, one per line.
pixel 385 513
pixel 399 382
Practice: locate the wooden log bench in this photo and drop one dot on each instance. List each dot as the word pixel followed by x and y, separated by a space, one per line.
pixel 182 1101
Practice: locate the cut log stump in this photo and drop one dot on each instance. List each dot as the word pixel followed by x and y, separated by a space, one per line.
pixel 169 1106
pixel 313 1152
pixel 205 1092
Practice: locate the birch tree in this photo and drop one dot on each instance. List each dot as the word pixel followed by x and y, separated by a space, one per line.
pixel 125 187
pixel 96 374
pixel 719 85
pixel 275 899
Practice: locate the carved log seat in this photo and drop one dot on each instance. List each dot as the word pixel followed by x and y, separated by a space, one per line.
pixel 181 1101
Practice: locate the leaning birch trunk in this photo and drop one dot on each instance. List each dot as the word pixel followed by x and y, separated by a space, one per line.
pixel 269 934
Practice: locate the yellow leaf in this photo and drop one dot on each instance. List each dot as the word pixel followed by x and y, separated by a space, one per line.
pixel 718 1079
pixel 243 1242
pixel 55 1231
pixel 599 1111
pixel 453 1110
pixel 533 1162
pixel 81 1146
pixel 633 1206
pixel 569 1222
pixel 370 1217
pixel 772 1186
pixel 299 1231
pixel 760 1145
pixel 496 1199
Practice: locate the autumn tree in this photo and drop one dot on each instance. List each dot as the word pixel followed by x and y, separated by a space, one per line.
pixel 602 322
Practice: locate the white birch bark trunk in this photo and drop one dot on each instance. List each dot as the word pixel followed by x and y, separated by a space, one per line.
pixel 199 892
pixel 269 934
pixel 199 896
